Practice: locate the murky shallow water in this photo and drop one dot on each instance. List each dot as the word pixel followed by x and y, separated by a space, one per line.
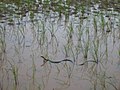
pixel 92 42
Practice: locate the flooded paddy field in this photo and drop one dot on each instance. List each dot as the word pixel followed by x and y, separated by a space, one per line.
pixel 60 45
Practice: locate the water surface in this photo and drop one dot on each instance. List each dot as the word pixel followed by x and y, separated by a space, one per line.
pixel 88 35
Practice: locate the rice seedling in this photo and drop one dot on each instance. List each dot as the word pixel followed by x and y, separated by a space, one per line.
pixel 69 44
pixel 42 37
pixel 86 45
pixel 79 42
pixel 70 32
pixel 102 23
pixel 95 27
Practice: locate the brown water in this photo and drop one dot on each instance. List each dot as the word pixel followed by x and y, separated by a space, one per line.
pixel 57 38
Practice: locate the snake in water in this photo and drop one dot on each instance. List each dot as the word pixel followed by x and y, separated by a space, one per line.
pixel 51 61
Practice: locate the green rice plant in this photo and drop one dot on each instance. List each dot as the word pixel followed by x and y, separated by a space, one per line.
pixel 79 42
pixel 97 65
pixel 73 55
pixel 70 31
pixel 83 10
pixel 84 45
pixel 42 37
pixel 80 31
pixel 86 49
pixel 69 44
pixel 95 27
pixel 102 23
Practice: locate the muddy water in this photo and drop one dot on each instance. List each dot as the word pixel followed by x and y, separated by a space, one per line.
pixel 83 40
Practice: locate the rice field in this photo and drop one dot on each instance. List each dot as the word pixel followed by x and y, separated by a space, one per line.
pixel 59 45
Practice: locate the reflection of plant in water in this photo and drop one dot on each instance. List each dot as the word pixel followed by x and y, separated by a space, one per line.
pixel 33 69
pixel 14 70
pixel 102 80
pixel 2 45
pixel 2 39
